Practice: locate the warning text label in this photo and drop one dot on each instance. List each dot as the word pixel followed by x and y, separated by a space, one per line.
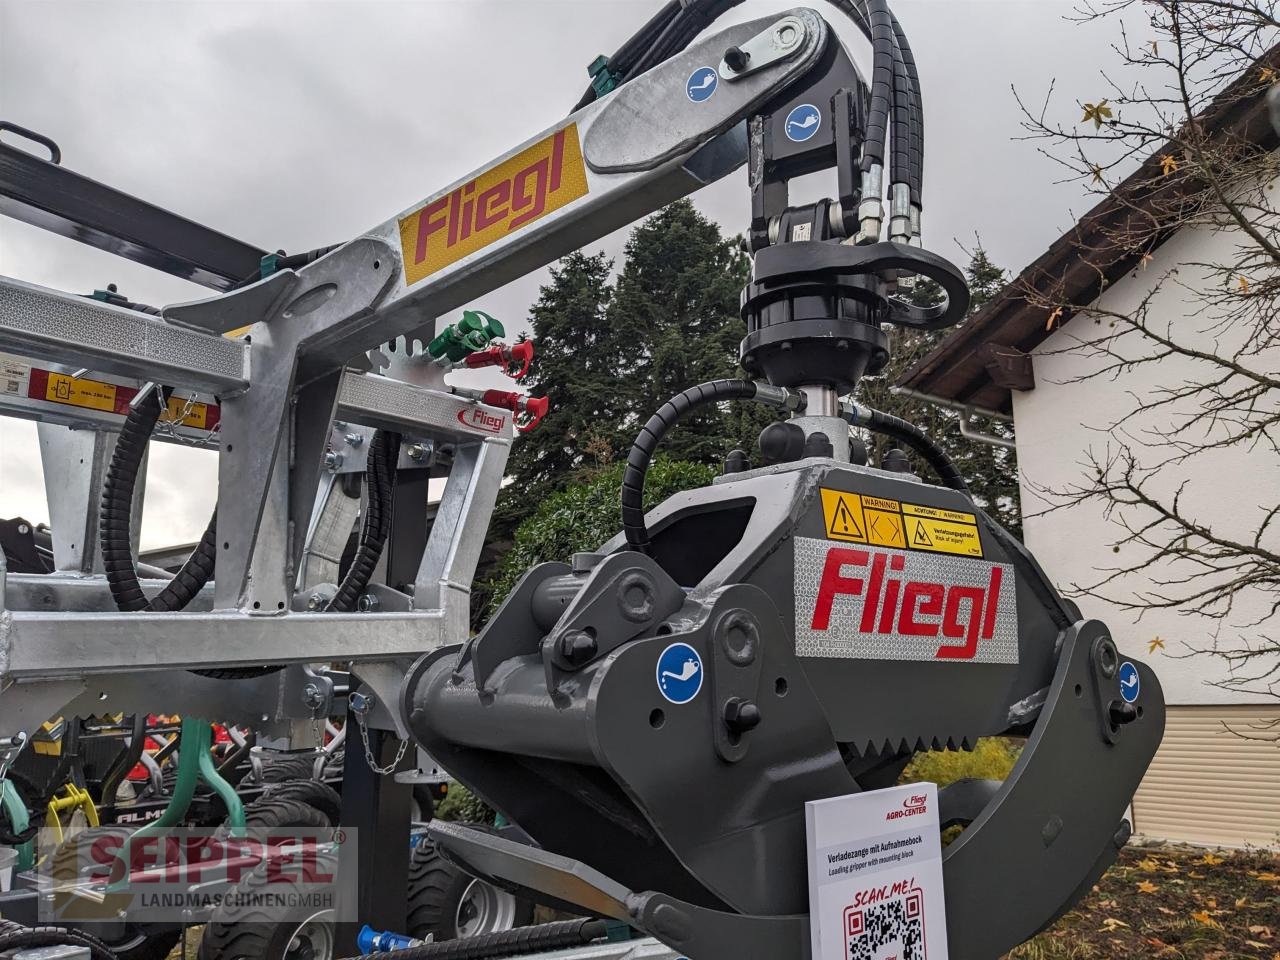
pixel 878 521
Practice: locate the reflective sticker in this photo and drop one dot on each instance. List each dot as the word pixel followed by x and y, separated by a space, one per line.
pixel 507 197
pixel 866 603
pixel 1130 682
pixel 803 123
pixel 679 673
pixel 701 84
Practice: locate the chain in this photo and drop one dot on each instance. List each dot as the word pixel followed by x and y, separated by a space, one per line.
pixel 359 708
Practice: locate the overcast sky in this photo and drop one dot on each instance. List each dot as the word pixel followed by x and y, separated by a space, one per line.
pixel 292 125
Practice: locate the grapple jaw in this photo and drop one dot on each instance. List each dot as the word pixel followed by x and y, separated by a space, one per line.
pixel 657 724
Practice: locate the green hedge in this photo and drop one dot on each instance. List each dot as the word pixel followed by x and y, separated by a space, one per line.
pixel 583 516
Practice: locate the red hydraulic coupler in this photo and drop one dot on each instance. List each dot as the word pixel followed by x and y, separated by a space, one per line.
pixel 513 358
pixel 534 408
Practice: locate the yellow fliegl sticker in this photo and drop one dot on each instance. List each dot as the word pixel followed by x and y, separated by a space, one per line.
pixel 505 198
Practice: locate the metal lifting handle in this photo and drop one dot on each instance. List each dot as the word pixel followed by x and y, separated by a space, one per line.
pixel 55 152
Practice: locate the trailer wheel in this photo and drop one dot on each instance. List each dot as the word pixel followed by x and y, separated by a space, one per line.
pixel 137 945
pixel 452 905
pixel 239 932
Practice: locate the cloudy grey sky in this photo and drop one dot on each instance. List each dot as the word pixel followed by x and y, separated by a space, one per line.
pixel 293 125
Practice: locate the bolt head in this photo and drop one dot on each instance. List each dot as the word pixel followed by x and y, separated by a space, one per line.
pixel 315 602
pixel 578 647
pixel 368 602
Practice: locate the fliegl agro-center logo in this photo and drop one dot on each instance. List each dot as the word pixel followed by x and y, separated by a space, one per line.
pixel 186 874
pixel 913 806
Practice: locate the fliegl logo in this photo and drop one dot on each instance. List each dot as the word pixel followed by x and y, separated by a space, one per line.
pixel 478 418
pixel 913 806
pixel 503 199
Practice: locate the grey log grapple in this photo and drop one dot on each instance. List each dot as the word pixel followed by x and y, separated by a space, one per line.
pixel 656 714
pixel 653 715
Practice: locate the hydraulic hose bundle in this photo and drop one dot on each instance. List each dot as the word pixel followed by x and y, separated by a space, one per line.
pixel 116 521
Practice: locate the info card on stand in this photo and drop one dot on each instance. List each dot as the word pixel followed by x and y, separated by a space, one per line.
pixel 875 876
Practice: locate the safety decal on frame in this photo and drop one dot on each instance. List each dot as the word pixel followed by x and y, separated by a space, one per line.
pixel 880 522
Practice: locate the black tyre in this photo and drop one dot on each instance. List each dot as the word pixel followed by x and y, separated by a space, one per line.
pixel 136 944
pixel 273 811
pixel 240 932
pixel 311 792
pixel 424 803
pixel 281 769
pixel 448 904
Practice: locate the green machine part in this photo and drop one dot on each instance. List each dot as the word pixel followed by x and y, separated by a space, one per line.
pixel 473 332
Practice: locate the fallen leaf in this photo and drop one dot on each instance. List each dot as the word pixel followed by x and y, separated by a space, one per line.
pixel 1261 931
pixel 1111 923
pixel 1148 865
pixel 1203 917
pixel 1167 912
pixel 1168 164
pixel 1242 902
pixel 1146 886
pixel 1209 860
pixel 1154 645
pixel 1267 877
pixel 1097 112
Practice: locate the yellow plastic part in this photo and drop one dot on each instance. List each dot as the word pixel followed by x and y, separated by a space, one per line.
pixel 70 799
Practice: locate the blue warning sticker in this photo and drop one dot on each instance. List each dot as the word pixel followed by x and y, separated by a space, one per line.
pixel 701 84
pixel 1130 682
pixel 803 123
pixel 679 673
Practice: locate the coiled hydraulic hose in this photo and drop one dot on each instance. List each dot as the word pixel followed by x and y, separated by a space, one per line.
pixel 116 520
pixel 899 429
pixel 117 513
pixel 505 943
pixel 380 479
pixel 14 936
pixel 651 435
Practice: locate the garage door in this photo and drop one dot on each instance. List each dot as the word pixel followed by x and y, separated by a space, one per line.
pixel 1209 784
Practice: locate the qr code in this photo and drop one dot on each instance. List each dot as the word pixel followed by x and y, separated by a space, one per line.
pixel 890 930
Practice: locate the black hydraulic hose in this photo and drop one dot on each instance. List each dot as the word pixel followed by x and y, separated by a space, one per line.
pixel 900 155
pixel 916 178
pixel 116 520
pixel 13 936
pixel 651 435
pixel 380 477
pixel 908 433
pixel 507 943
pixel 882 47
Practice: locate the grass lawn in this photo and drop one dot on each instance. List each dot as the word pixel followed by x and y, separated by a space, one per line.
pixel 1172 902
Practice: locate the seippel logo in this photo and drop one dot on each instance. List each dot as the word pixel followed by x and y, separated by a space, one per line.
pixel 477 418
pixel 913 806
pixel 507 197
pixel 910 608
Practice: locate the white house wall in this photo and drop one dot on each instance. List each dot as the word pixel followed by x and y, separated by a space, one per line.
pixel 1059 422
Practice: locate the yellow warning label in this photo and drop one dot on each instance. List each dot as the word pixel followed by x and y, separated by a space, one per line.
pixel 80 393
pixel 884 529
pixel 506 197
pixel 943 536
pixel 843 515
pixel 937 513
pixel 859 518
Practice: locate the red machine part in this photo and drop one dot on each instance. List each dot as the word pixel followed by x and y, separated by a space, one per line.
pixel 534 408
pixel 513 358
